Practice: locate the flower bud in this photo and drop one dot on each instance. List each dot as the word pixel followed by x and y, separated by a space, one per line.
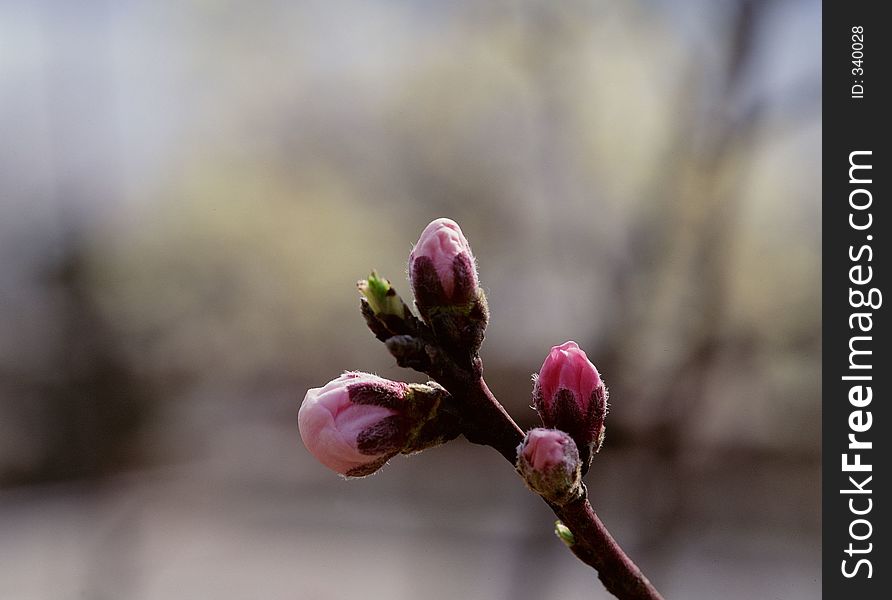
pixel 357 422
pixel 441 266
pixel 443 275
pixel 569 395
pixel 548 461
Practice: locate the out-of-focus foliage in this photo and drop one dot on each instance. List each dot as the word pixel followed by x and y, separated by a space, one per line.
pixel 627 180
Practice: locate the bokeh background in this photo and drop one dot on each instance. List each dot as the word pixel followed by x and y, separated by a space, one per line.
pixel 190 189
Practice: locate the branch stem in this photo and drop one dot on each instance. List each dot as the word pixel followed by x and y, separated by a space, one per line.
pixel 488 423
pixel 594 546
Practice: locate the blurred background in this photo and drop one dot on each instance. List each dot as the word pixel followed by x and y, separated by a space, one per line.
pixel 189 191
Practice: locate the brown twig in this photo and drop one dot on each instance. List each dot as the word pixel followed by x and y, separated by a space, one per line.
pixel 594 546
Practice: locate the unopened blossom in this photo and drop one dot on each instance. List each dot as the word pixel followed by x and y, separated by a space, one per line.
pixel 548 461
pixel 448 296
pixel 352 424
pixel 569 395
pixel 441 266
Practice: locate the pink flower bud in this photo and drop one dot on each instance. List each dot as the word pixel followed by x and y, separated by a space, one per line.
pixel 569 395
pixel 544 449
pixel 548 460
pixel 354 424
pixel 441 266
